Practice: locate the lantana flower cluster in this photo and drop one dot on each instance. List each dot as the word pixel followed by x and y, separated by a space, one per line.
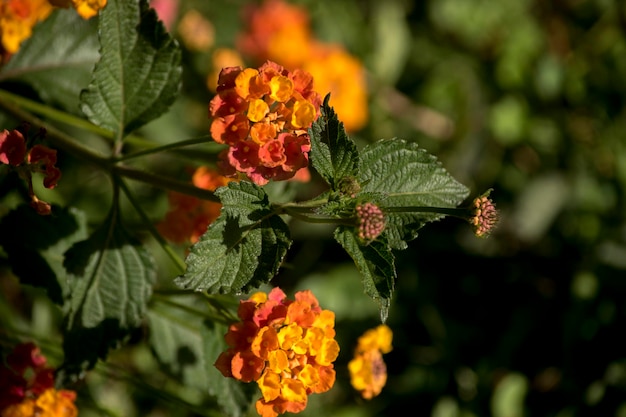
pixel 368 372
pixel 15 152
pixel 263 115
pixel 27 386
pixel 188 216
pixel 371 221
pixel 485 215
pixel 286 346
pixel 281 32
pixel 18 17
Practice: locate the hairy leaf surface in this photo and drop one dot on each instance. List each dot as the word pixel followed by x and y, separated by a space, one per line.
pixel 139 73
pixel 110 276
pixel 242 249
pixel 333 155
pixel 409 177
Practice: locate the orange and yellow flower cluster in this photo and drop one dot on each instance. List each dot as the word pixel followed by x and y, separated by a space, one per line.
pixel 27 386
pixel 18 17
pixel 368 372
pixel 263 115
pixel 189 217
pixel 26 160
pixel 286 346
pixel 280 32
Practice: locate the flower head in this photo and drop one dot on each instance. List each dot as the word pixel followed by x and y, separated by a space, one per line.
pixel 371 221
pixel 368 372
pixel 286 346
pixel 263 115
pixel 27 386
pixel 485 215
pixel 51 403
pixel 281 32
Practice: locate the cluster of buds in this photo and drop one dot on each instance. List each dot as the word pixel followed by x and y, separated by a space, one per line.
pixel 371 221
pixel 368 372
pixel 15 152
pixel 286 346
pixel 263 115
pixel 485 215
pixel 27 386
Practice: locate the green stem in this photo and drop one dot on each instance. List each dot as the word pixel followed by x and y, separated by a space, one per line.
pixel 57 138
pixel 224 319
pixel 66 143
pixel 9 101
pixel 449 211
pixel 173 292
pixel 161 181
pixel 302 206
pixel 54 114
pixel 320 219
pixel 164 148
pixel 122 374
pixel 180 264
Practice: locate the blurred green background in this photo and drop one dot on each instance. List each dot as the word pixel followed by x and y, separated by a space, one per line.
pixel 525 97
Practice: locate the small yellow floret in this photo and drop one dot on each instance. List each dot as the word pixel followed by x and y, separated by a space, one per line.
pixel 303 114
pixel 257 110
pixel 281 88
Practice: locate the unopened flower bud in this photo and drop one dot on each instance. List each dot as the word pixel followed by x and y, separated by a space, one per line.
pixel 371 221
pixel 485 215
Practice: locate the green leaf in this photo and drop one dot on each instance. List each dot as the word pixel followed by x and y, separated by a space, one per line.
pixel 176 340
pixel 35 246
pixel 409 177
pixel 234 397
pixel 242 249
pixel 110 276
pixel 139 73
pixel 333 155
pixel 57 60
pixel 375 261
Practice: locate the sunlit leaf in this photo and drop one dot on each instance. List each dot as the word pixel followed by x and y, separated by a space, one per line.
pixel 333 155
pixel 139 73
pixel 242 249
pixel 409 177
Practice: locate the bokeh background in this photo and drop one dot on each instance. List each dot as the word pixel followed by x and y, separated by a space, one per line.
pixel 522 96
